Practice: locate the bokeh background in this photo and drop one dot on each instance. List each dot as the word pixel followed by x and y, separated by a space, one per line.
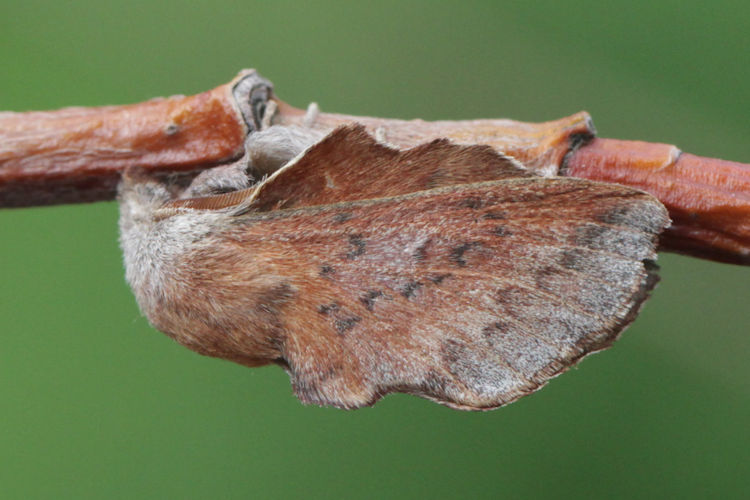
pixel 96 404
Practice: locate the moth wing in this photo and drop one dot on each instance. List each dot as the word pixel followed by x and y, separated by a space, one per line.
pixel 471 295
pixel 365 271
pixel 349 164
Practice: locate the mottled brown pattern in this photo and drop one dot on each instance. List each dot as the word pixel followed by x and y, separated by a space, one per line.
pixel 416 290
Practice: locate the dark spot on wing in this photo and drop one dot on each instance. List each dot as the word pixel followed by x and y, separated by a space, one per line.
pixel 410 289
pixel 326 271
pixel 345 324
pixel 501 231
pixel 328 308
pixel 342 217
pixel 421 252
pixel 495 215
pixel 358 244
pixel 457 254
pixel 368 299
pixel 438 278
pixel 472 202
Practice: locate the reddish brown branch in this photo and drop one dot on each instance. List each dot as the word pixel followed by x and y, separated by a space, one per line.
pixel 77 154
pixel 708 199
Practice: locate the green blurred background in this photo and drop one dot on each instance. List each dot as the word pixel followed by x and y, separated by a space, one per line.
pixel 96 404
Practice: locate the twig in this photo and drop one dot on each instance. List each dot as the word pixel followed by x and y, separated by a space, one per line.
pixel 76 155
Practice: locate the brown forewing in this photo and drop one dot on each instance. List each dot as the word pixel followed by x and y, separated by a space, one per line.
pixel 350 165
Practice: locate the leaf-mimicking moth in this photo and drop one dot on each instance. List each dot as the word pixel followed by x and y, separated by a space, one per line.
pixel 444 271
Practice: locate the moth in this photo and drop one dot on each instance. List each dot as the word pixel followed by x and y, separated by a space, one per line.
pixel 444 271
